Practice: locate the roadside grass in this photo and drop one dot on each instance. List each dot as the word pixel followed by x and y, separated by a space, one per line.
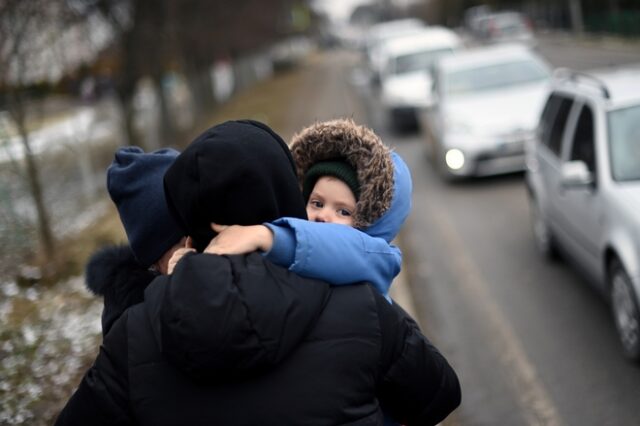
pixel 268 101
pixel 50 331
pixel 73 252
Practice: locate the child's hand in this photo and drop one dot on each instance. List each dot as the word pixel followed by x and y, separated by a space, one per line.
pixel 237 239
pixel 179 254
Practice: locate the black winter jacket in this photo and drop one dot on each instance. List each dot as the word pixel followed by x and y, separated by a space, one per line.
pixel 114 273
pixel 238 340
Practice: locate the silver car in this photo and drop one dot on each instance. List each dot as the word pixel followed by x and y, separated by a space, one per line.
pixel 583 176
pixel 487 104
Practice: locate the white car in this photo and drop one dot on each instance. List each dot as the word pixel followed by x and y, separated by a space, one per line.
pixel 405 76
pixel 487 105
pixel 382 32
pixel 583 179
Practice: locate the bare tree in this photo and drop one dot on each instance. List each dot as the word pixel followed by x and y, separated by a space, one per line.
pixel 156 36
pixel 18 20
pixel 203 31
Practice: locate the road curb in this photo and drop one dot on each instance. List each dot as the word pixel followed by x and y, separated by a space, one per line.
pixel 401 292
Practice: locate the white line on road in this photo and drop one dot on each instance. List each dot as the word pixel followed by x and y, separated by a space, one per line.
pixel 536 405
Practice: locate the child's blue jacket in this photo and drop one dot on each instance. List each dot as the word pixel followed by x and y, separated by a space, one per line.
pixel 341 254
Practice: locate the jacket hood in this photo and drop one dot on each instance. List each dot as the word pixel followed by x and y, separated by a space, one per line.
pixel 362 149
pixel 388 226
pixel 384 178
pixel 237 172
pixel 114 273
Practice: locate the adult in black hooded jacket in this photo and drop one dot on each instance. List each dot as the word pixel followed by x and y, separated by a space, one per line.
pixel 238 340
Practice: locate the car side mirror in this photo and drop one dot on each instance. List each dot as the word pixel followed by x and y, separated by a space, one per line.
pixel 576 174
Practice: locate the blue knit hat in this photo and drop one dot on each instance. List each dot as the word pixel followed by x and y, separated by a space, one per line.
pixel 134 182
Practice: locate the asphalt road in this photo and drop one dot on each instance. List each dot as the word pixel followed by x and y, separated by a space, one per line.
pixel 533 344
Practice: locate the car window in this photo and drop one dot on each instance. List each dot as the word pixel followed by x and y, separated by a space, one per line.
pixel 509 24
pixel 583 146
pixel 624 143
pixel 553 121
pixel 494 76
pixel 418 61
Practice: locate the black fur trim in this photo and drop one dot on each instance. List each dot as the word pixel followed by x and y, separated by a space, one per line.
pixel 107 265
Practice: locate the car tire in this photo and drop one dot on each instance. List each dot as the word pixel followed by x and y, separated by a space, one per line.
pixel 624 306
pixel 542 234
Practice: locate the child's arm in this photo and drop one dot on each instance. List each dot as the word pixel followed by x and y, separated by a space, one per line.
pixel 334 253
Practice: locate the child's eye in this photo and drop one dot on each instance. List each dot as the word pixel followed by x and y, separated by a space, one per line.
pixel 344 212
pixel 316 203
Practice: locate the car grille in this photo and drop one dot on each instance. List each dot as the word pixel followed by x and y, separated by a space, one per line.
pixel 507 149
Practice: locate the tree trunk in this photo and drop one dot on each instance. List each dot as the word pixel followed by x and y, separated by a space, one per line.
pixel 197 97
pixel 167 132
pixel 575 11
pixel 614 6
pixel 206 83
pixel 127 113
pixel 35 188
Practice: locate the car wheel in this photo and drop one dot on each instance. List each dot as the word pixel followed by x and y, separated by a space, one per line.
pixel 624 306
pixel 542 234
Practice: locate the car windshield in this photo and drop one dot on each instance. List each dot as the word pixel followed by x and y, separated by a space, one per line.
pixel 493 76
pixel 624 143
pixel 509 25
pixel 418 61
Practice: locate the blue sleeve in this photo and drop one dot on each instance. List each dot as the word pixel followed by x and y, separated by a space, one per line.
pixel 283 250
pixel 334 253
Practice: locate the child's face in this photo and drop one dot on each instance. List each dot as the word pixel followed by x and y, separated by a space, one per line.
pixel 331 201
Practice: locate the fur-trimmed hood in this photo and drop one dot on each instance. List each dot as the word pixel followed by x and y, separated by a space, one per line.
pixel 114 273
pixel 384 178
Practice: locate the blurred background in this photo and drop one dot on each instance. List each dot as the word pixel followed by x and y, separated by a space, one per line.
pixel 460 88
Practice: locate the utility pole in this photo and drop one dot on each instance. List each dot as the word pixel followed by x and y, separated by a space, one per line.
pixel 575 12
pixel 386 6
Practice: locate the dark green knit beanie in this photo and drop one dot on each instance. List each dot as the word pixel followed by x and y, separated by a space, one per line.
pixel 337 168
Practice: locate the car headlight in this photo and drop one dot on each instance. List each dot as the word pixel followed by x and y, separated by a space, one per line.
pixel 454 158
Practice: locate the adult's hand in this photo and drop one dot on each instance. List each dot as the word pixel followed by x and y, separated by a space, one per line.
pixel 179 254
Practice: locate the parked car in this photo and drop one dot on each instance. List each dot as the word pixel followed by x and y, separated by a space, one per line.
pixel 382 32
pixel 486 107
pixel 501 27
pixel 583 177
pixel 473 18
pixel 405 74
